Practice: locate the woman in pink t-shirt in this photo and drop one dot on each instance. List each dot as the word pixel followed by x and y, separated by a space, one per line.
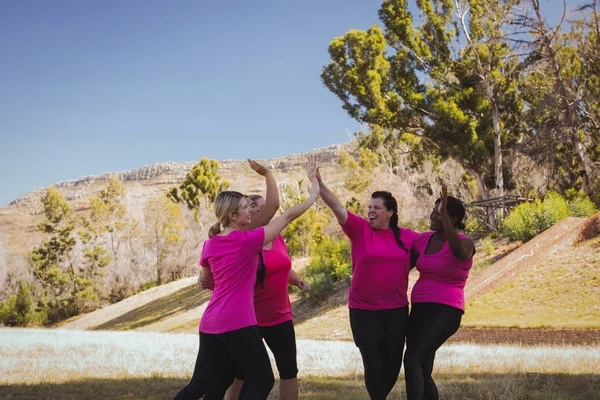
pixel 228 334
pixel 273 311
pixel 443 258
pixel 377 299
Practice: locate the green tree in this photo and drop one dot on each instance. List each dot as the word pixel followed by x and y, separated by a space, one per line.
pixel 432 84
pixel 165 223
pixel 22 309
pixel 561 108
pixel 51 260
pixel 202 182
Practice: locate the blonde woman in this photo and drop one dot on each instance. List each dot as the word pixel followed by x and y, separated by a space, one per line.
pixel 228 334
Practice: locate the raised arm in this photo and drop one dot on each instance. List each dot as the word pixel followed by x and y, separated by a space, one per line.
pixel 461 248
pixel 332 201
pixel 271 200
pixel 278 224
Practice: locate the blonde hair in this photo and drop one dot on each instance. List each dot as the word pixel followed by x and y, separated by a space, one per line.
pixel 227 202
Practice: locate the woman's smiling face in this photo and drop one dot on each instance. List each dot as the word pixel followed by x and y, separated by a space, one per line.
pixel 378 215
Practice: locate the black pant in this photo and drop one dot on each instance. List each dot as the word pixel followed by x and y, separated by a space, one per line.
pixel 380 335
pixel 281 339
pixel 429 326
pixel 218 357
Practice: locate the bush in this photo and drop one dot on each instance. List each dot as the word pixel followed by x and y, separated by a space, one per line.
pixel 487 245
pixel 330 264
pixel 528 220
pixel 321 287
pixel 22 309
pixel 579 204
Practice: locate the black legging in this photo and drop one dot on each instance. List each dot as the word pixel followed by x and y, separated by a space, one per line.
pixel 379 335
pixel 219 356
pixel 281 339
pixel 429 326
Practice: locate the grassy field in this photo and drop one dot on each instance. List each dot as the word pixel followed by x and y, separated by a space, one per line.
pixel 60 364
pixel 561 292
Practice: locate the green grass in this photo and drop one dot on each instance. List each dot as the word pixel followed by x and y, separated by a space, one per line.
pixel 561 292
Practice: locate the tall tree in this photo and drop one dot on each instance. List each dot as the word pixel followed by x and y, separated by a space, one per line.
pixel 51 260
pixel 556 94
pixel 433 84
pixel 164 224
pixel 202 182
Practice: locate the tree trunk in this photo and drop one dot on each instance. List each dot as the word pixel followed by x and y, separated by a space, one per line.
pixel 498 154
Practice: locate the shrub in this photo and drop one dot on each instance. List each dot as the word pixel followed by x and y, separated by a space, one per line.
pixel 321 287
pixel 527 220
pixel 330 264
pixel 579 204
pixel 22 309
pixel 487 245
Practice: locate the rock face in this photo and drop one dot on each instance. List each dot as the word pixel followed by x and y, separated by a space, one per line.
pixel 170 174
pixel 18 220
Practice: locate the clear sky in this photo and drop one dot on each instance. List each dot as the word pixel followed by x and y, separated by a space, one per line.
pixel 96 86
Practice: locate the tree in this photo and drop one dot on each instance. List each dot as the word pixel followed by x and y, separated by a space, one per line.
pixel 559 104
pixel 203 181
pixel 51 261
pixel 164 223
pixel 433 85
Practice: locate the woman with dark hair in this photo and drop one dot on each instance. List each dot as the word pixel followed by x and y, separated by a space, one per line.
pixel 229 338
pixel 443 258
pixel 377 299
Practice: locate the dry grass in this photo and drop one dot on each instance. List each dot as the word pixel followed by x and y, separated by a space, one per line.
pixel 61 364
pixel 561 292
pixel 590 229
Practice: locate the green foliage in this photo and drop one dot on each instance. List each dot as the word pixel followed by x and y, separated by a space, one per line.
pixel 50 260
pixel 580 205
pixel 354 206
pixel 303 234
pixel 331 263
pixel 22 309
pixel 321 287
pixel 447 94
pixel 487 245
pixel 527 220
pixel 357 182
pixel 165 223
pixel 203 181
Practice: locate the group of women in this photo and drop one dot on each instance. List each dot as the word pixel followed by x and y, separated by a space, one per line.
pixel 246 264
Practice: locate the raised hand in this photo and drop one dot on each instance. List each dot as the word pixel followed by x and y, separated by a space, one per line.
pixel 311 167
pixel 444 199
pixel 259 168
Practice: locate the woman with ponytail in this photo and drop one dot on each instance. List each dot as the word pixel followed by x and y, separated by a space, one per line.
pixel 273 309
pixel 377 297
pixel 229 338
pixel 443 258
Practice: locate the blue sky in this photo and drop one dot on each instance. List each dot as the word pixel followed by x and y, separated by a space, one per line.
pixel 96 86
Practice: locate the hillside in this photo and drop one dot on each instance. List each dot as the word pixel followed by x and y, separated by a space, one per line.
pixel 562 291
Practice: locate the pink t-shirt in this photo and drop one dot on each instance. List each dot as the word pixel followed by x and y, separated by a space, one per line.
pixel 233 261
pixel 442 275
pixel 272 304
pixel 380 266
